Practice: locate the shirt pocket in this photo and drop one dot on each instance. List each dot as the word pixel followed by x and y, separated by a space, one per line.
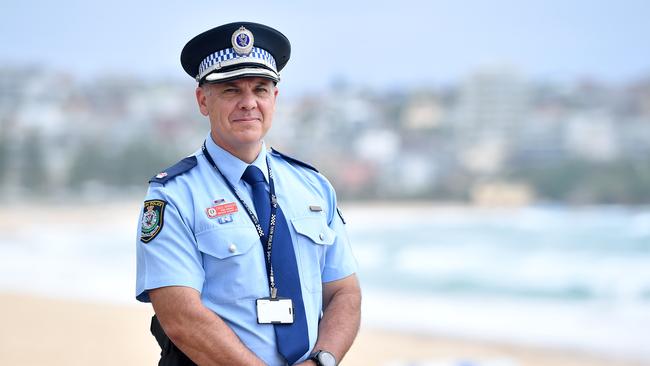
pixel 314 236
pixel 233 263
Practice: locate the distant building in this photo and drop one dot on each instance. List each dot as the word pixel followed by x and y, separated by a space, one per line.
pixel 592 136
pixel 492 106
pixel 423 111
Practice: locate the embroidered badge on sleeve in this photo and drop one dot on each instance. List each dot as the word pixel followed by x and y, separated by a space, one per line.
pixel 152 219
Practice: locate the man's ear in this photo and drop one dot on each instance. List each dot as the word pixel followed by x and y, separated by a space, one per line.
pixel 201 100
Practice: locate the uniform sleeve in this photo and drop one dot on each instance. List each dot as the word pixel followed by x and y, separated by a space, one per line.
pixel 169 256
pixel 339 260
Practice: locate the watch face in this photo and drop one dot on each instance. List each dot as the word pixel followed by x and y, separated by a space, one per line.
pixel 326 359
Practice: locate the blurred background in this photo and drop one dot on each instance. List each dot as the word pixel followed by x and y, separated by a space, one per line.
pixel 492 160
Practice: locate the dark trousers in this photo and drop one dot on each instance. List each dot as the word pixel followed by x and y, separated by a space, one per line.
pixel 170 355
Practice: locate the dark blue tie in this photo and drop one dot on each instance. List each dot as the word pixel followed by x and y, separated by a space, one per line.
pixel 293 339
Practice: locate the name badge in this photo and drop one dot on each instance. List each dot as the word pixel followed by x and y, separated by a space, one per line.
pixel 274 311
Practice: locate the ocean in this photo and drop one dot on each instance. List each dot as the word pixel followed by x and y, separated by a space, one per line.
pixel 547 276
pixel 569 278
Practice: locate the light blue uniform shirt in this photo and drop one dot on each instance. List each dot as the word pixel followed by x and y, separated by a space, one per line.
pixel 222 257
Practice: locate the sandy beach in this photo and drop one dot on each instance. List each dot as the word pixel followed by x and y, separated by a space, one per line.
pixel 45 331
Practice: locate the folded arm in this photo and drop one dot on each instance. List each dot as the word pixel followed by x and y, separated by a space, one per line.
pixel 200 333
pixel 341 317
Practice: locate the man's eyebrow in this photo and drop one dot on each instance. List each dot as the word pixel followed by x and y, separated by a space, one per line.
pixel 229 84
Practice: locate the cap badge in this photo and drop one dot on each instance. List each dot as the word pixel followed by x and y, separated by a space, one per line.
pixel 242 41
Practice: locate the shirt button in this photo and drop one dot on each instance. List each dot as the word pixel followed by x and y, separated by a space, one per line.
pixel 232 248
pixel 321 236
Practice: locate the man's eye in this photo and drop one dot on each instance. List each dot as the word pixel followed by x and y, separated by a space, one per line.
pixel 230 90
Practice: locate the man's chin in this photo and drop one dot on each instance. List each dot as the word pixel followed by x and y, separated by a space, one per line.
pixel 250 141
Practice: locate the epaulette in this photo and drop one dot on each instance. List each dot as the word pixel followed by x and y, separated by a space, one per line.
pixel 174 171
pixel 293 161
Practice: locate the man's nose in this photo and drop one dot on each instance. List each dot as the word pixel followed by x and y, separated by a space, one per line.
pixel 247 100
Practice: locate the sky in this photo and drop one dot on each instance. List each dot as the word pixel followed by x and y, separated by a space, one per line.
pixel 381 44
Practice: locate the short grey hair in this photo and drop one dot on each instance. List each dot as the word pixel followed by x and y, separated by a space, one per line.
pixel 207 89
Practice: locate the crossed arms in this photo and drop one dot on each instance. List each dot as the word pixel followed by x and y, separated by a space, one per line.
pixel 207 340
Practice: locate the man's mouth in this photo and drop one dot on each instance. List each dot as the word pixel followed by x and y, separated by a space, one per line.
pixel 247 119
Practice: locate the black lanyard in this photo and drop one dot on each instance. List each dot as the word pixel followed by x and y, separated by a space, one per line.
pixel 253 217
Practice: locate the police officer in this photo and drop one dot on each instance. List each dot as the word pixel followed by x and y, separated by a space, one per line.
pixel 242 250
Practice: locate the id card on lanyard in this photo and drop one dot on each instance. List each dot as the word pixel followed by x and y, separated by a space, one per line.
pixel 274 311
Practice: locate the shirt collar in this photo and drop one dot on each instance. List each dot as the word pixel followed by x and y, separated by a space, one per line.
pixel 231 166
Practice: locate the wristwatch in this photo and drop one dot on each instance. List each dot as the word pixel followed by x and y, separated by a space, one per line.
pixel 323 358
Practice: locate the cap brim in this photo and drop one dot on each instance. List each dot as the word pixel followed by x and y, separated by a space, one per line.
pixel 218 77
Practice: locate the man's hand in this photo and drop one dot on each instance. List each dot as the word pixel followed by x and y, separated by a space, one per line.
pixel 201 334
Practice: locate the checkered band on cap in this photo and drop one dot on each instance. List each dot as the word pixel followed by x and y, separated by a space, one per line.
pixel 229 57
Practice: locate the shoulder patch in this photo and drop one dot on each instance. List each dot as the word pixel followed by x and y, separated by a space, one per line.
pixel 174 171
pixel 292 160
pixel 152 219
